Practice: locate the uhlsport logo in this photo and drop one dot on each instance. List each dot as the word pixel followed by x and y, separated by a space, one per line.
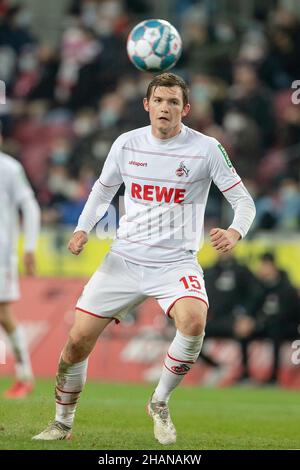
pixel 182 170
pixel 135 163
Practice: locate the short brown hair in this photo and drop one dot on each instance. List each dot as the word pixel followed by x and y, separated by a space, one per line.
pixel 169 80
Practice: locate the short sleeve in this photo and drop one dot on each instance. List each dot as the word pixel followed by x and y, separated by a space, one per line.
pixel 221 169
pixel 111 175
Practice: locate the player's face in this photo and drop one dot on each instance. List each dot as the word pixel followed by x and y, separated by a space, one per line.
pixel 166 110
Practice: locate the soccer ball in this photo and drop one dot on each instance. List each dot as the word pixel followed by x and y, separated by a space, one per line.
pixel 154 45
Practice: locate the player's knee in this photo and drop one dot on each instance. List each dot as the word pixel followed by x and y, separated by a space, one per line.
pixel 77 348
pixel 4 316
pixel 191 322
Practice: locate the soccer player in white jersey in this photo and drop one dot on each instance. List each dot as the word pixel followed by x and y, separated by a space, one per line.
pixel 167 169
pixel 16 194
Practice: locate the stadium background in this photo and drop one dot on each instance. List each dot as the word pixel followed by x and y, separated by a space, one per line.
pixel 71 90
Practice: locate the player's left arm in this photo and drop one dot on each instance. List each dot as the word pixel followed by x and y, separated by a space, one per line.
pixel 31 216
pixel 228 181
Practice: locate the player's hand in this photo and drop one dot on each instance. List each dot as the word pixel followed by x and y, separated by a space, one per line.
pixel 29 263
pixel 224 240
pixel 77 242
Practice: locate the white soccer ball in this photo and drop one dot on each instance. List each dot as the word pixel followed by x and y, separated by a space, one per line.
pixel 154 45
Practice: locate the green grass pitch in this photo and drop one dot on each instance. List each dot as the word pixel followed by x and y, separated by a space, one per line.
pixel 112 416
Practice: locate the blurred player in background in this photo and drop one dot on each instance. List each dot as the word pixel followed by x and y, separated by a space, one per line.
pixel 167 169
pixel 15 194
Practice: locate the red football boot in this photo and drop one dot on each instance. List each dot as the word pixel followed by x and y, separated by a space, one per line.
pixel 19 390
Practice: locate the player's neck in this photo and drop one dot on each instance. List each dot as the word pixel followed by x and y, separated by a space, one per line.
pixel 164 134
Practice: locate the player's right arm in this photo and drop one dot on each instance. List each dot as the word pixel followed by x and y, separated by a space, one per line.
pixel 98 201
pixel 31 215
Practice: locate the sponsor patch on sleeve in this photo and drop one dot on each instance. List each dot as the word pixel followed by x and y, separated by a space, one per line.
pixel 225 155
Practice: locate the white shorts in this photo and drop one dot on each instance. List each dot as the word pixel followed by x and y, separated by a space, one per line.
pixel 9 282
pixel 119 285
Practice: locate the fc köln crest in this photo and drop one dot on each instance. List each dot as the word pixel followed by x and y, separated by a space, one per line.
pixel 182 170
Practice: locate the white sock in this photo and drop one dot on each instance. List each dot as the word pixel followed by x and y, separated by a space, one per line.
pixel 70 380
pixel 21 354
pixel 182 354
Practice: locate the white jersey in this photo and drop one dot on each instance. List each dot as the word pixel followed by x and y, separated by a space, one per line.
pixel 14 189
pixel 166 188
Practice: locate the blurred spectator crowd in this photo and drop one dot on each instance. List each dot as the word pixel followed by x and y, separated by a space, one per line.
pixel 66 104
pixel 247 306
